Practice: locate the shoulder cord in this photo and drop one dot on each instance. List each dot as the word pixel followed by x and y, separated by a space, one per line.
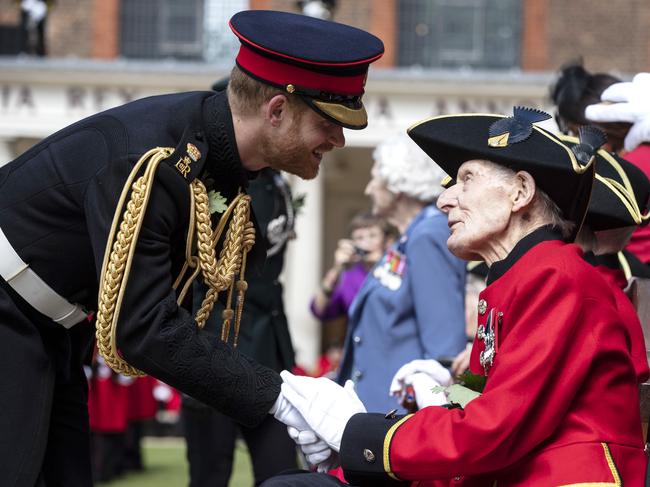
pixel 218 275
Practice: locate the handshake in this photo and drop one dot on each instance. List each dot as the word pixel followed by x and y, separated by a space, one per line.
pixel 317 410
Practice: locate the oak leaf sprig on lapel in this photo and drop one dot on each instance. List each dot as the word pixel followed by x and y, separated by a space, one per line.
pixel 298 202
pixel 216 202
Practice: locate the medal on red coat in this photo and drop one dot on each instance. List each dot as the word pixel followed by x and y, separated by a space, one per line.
pixel 486 333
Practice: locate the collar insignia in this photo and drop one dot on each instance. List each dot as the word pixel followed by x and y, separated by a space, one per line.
pixel 193 152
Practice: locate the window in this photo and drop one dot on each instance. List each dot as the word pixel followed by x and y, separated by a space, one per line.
pixel 459 33
pixel 184 30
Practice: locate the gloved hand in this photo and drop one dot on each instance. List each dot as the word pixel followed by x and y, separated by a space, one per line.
pixel 430 367
pixel 626 102
pixel 423 384
pixel 325 405
pixel 286 413
pixel 316 451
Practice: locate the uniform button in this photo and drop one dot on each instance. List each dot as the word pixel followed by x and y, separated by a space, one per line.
pixel 357 374
pixel 368 455
pixel 457 478
pixel 482 306
pixel 275 282
pixel 357 339
pixel 275 312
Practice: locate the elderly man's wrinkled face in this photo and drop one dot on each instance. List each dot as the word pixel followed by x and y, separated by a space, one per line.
pixel 478 207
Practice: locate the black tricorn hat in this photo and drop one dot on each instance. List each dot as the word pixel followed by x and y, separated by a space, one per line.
pixel 323 62
pixel 514 142
pixel 620 194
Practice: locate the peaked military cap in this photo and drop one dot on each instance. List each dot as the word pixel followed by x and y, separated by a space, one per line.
pixel 326 63
pixel 515 142
pixel 620 194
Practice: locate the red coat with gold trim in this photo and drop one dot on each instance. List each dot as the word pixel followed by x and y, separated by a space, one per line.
pixel 560 406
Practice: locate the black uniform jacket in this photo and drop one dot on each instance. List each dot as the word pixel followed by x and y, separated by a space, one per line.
pixel 57 202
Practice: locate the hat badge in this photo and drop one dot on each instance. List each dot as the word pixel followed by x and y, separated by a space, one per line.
pixel 193 152
pixel 516 128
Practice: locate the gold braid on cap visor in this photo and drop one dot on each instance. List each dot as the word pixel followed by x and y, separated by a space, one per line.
pixel 218 275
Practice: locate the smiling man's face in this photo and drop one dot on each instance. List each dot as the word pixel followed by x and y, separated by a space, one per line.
pixel 298 149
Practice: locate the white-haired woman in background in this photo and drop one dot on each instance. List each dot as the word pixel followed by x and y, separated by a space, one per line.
pixel 411 304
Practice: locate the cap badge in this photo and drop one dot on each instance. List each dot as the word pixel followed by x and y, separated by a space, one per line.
pixel 516 128
pixel 193 152
pixel 291 88
pixel 447 182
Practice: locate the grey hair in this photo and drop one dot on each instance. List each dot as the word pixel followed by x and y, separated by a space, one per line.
pixel 552 212
pixel 406 169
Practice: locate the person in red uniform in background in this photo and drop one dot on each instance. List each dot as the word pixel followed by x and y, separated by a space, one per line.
pixel 629 102
pixel 108 413
pixel 575 94
pixel 618 206
pixel 560 404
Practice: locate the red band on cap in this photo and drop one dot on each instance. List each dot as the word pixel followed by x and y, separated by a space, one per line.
pixel 279 73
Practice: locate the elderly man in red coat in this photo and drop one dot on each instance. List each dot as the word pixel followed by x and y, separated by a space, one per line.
pixel 560 404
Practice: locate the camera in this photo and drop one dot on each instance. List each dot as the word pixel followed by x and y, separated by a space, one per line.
pixel 360 252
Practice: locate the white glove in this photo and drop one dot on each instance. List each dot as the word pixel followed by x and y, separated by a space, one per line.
pixel 325 405
pixel 422 385
pixel 430 367
pixel 626 102
pixel 286 413
pixel 316 451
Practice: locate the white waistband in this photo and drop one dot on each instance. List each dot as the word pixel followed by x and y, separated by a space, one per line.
pixel 34 290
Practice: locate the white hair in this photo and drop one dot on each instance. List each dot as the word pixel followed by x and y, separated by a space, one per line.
pixel 549 211
pixel 405 168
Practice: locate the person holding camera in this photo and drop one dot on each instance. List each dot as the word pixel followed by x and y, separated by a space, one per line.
pixel 353 258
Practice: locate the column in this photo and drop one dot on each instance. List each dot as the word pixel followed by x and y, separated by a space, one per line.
pixel 302 271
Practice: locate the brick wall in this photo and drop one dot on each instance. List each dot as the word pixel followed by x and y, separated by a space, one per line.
pixel 612 35
pixel 68 27
pixel 9 12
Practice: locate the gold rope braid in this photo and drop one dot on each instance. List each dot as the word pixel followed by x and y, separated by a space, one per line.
pixel 219 274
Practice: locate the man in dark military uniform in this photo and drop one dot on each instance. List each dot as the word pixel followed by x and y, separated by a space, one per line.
pixel 145 177
pixel 264 337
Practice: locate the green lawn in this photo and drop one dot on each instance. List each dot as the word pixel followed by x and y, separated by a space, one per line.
pixel 165 466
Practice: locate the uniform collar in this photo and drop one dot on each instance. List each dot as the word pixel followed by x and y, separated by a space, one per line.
pixel 542 234
pixel 224 171
pixel 223 166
